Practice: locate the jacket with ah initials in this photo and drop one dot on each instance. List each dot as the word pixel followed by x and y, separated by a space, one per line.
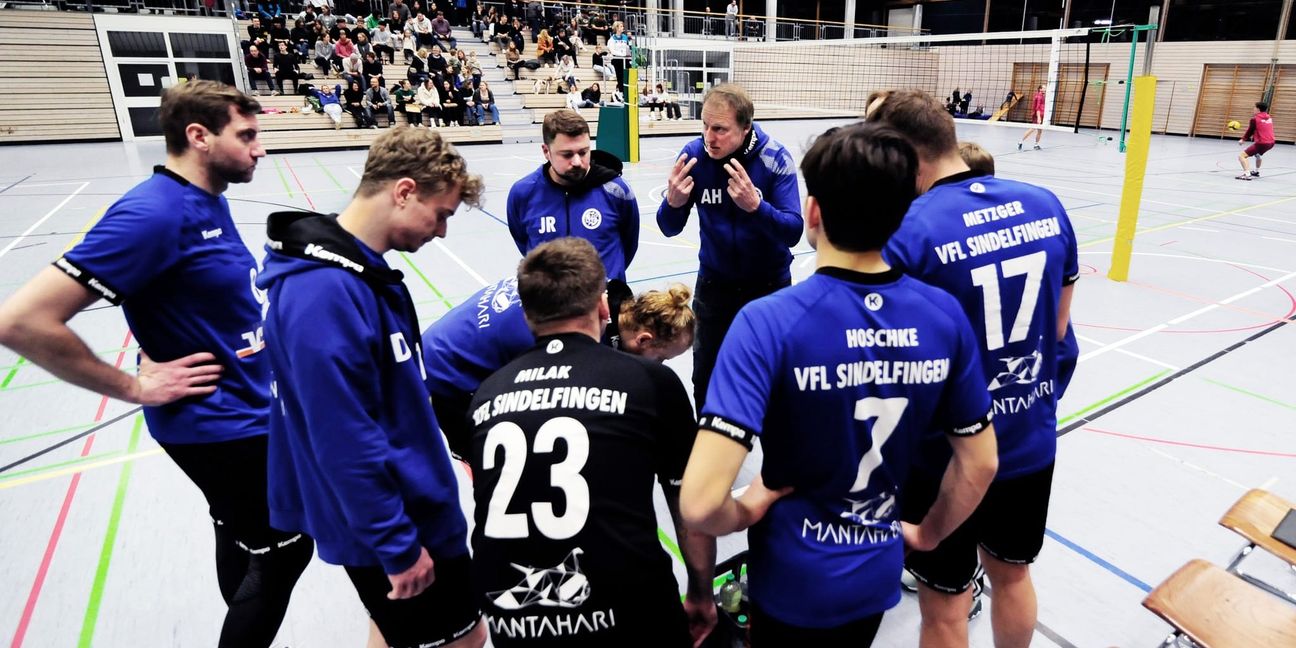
pixel 601 209
pixel 355 459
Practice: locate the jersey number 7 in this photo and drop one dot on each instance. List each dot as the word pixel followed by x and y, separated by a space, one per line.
pixel 987 277
pixel 887 411
pixel 564 475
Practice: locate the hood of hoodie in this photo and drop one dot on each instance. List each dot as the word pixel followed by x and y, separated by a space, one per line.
pixel 750 148
pixel 604 167
pixel 303 241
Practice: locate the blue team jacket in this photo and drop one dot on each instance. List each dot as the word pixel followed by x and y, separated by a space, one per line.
pixel 356 458
pixel 738 246
pixel 602 210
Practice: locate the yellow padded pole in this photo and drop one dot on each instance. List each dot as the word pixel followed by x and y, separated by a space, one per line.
pixel 1136 155
pixel 632 106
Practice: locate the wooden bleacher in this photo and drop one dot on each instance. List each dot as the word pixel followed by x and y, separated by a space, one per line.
pixel 57 88
pixel 289 131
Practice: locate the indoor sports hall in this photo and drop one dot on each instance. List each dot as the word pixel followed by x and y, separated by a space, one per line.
pixel 1182 408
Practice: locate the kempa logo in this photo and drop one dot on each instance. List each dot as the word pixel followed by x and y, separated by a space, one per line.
pixel 873 301
pixel 592 218
pixel 211 234
pixel 977 187
pixel 722 425
pixel 325 255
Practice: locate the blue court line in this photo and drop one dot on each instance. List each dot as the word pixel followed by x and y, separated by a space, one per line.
pixel 1099 561
pixel 497 218
pixel 665 276
pixel 17 183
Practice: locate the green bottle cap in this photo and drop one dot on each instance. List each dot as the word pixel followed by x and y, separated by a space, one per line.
pixel 742 618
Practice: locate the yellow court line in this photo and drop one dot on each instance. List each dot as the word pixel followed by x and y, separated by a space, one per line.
pixel 1190 221
pixel 72 470
pixel 86 228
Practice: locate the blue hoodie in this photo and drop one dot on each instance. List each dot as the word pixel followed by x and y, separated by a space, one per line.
pixel 356 460
pixel 737 246
pixel 601 209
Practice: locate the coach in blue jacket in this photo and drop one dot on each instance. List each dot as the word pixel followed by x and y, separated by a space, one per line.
pixel 749 210
pixel 577 192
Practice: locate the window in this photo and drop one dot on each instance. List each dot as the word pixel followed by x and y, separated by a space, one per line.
pixel 143 80
pixel 1197 20
pixel 223 72
pixel 208 46
pixel 145 122
pixel 136 44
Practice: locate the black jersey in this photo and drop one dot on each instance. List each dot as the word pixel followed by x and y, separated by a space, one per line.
pixel 566 441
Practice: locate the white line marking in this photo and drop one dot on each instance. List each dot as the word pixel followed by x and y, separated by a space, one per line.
pixel 47 184
pixel 1266 218
pixel 43 219
pixel 1131 354
pixel 1182 318
pixel 1198 229
pixel 1275 238
pixel 454 257
pixel 1116 194
pixel 1244 264
pixel 354 172
pixel 1191 466
pixel 673 245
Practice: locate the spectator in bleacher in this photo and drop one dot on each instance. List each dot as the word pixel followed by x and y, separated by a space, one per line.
pixel 485 100
pixel 308 15
pixel 258 68
pixel 464 79
pixel 545 48
pixel 442 31
pixel 451 106
pixel 602 62
pixel 423 30
pixel 437 63
pixel 285 68
pixel 514 9
pixel 458 59
pixel 668 103
pixel 353 99
pixel 330 102
pixel 361 42
pixel 513 60
pixel 302 38
pixel 418 72
pixel 324 55
pixel 256 35
pixel 373 69
pixel 399 7
pixel 278 33
pixel 466 95
pixel 731 19
pixel 429 97
pixel 383 41
pixel 372 21
pixel 598 27
pixel 648 99
pixel 591 97
pixel 343 48
pixel 479 20
pixel 562 45
pixel 408 46
pixel 515 34
pixel 377 99
pixel 474 68
pixel 567 73
pixel 407 103
pixel 534 18
pixel 503 32
pixel 353 69
pixel 328 18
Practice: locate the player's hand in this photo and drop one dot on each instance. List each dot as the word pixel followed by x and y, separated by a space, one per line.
pixel 914 538
pixel 757 499
pixel 159 383
pixel 701 613
pixel 413 581
pixel 741 189
pixel 679 185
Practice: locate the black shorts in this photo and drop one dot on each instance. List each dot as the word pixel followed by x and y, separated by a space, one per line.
pixel 1008 525
pixel 766 631
pixel 443 613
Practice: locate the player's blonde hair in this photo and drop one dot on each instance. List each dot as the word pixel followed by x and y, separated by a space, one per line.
pixel 423 156
pixel 977 158
pixel 664 313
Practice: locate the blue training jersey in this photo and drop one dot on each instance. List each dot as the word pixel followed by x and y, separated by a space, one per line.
pixel 841 376
pixel 169 254
pixel 474 339
pixel 1005 250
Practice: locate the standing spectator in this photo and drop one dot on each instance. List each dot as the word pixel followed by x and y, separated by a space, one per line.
pixel 384 43
pixel 534 18
pixel 441 28
pixel 376 98
pixel 258 69
pixel 360 464
pixel 286 69
pixel 619 47
pixel 485 100
pixel 744 185
pixel 401 10
pixel 731 19
pixel 168 252
pixel 576 193
pixel 354 102
pixel 407 103
pixel 330 102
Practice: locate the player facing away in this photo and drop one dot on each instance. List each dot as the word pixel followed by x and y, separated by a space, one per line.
pixel 841 377
pixel 1007 252
pixel 1037 117
pixel 567 440
pixel 354 454
pixel 168 252
pixel 1261 133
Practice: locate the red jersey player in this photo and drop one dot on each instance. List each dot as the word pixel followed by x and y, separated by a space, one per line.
pixel 1261 134
pixel 1037 117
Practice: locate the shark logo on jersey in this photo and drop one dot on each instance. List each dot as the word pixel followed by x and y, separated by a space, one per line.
pixel 1019 370
pixel 500 302
pixel 874 512
pixel 562 586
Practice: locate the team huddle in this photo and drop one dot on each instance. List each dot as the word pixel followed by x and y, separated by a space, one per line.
pixel 904 395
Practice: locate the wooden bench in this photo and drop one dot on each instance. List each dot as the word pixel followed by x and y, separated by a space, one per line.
pixel 1217 609
pixel 356 138
pixel 1254 517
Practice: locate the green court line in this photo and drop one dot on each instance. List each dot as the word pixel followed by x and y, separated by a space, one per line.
pixel 35 384
pixel 327 173
pixel 62 464
pixel 22 361
pixel 282 178
pixel 12 372
pixel 110 539
pixel 426 281
pixel 1251 394
pixel 74 428
pixel 1070 417
pixel 670 545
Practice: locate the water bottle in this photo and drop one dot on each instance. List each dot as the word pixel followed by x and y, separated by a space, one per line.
pixel 730 595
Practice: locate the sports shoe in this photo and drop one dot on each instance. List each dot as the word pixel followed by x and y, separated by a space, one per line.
pixel 978 587
pixel 907 581
pixel 1019 146
pixel 1037 147
pixel 1244 176
pixel 1255 174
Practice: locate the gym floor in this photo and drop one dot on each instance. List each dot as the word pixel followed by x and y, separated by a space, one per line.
pixel 1177 408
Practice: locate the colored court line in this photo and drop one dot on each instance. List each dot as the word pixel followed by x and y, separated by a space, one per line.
pixel 13 371
pixel 670 545
pixel 1093 406
pixel 1251 394
pixel 1124 575
pixel 45 434
pixel 110 539
pixel 49 468
pixel 44 451
pixel 426 281
pixel 328 173
pixel 299 184
pixel 57 532
pixel 1161 228
pixel 282 179
pixel 1185 444
pixel 98 353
